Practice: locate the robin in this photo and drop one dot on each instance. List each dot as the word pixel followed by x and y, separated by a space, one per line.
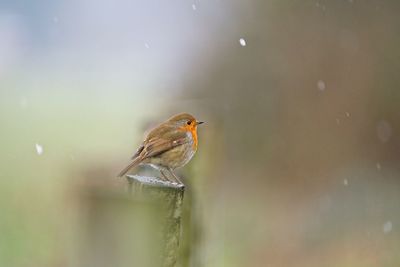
pixel 170 145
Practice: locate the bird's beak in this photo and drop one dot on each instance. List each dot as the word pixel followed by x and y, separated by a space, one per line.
pixel 199 122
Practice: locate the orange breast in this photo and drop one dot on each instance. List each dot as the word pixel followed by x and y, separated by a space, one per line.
pixel 194 134
pixel 193 130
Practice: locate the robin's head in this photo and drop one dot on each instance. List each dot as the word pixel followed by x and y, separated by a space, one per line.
pixel 185 121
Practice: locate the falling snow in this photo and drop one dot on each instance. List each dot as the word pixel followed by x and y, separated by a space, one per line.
pixel 387 227
pixel 194 7
pixel 347 114
pixel 384 131
pixel 345 182
pixel 146 45
pixel 242 42
pixel 378 166
pixel 321 85
pixel 39 149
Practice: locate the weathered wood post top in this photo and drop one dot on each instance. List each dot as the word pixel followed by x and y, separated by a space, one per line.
pixel 170 196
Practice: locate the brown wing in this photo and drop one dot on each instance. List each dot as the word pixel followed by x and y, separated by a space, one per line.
pixel 151 148
pixel 158 141
pixel 161 139
pixel 157 146
pixel 152 135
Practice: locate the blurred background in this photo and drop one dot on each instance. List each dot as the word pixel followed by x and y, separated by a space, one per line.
pixel 298 163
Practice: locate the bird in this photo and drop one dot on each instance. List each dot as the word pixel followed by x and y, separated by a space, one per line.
pixel 169 146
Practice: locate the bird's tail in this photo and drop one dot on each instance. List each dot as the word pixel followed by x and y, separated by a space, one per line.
pixel 134 163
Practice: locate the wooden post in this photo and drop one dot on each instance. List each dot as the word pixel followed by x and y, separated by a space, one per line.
pixel 170 196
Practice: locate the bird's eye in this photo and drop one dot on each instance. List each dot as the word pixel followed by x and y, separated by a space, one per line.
pixel 189 122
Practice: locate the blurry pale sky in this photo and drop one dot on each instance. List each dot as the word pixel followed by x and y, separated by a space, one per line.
pixel 139 45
